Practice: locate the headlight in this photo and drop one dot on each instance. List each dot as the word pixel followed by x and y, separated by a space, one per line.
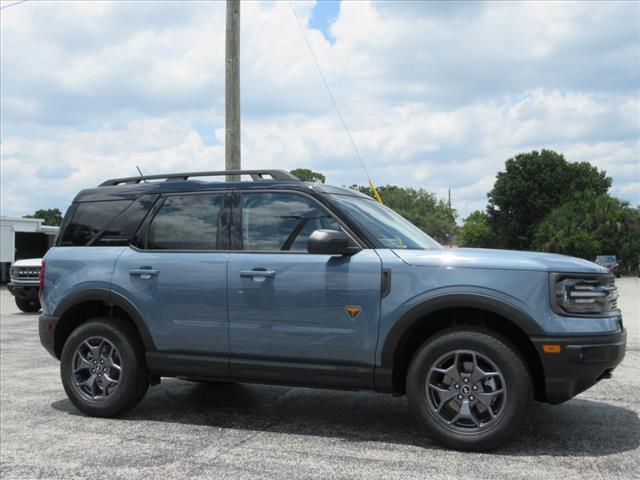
pixel 584 294
pixel 13 272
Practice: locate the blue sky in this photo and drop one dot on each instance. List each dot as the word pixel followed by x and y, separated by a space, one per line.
pixel 436 94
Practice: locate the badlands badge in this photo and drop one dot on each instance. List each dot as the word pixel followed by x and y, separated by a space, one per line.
pixel 352 310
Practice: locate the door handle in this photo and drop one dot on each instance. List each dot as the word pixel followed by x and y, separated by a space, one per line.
pixel 143 272
pixel 258 273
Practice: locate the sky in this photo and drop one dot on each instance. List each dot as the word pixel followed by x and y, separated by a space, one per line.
pixel 437 95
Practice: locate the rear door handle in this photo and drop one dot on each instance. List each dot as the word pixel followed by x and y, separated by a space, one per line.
pixel 143 272
pixel 258 273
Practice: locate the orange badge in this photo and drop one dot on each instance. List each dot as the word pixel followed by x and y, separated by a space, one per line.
pixel 352 310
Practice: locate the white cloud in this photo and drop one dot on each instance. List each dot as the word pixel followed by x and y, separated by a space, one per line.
pixel 436 95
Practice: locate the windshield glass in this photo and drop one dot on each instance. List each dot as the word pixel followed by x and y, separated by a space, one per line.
pixel 606 259
pixel 386 226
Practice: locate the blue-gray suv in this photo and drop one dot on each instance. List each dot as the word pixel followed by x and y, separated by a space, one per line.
pixel 273 280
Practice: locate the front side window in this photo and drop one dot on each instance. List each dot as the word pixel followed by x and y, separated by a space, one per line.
pixel 386 226
pixel 281 221
pixel 186 222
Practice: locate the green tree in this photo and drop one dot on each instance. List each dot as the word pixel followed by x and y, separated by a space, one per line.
pixel 588 225
pixel 307 175
pixel 476 231
pixel 51 216
pixel 434 217
pixel 532 185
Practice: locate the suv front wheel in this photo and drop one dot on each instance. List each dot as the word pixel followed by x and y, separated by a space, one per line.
pixel 103 368
pixel 27 305
pixel 470 388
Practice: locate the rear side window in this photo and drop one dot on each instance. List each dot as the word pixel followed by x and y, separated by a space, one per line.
pixel 281 221
pixel 186 222
pixel 89 221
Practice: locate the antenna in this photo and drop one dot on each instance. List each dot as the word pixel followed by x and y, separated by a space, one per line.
pixel 140 172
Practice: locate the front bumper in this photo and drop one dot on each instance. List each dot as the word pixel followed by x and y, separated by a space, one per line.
pixel 580 363
pixel 47 327
pixel 24 291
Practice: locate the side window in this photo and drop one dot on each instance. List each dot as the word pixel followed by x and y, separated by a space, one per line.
pixel 90 219
pixel 281 221
pixel 186 222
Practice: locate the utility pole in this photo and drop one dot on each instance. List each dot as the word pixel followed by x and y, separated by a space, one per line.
pixel 232 90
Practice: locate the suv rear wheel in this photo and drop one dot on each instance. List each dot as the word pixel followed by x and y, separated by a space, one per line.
pixel 470 388
pixel 103 367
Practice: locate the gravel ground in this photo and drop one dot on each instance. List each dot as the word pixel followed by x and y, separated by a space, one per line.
pixel 185 430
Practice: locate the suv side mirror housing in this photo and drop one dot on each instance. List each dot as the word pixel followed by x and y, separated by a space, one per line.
pixel 330 242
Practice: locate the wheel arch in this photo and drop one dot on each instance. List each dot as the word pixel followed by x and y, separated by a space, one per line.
pixel 81 306
pixel 435 315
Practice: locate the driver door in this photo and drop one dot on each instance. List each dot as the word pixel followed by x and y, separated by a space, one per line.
pixel 288 309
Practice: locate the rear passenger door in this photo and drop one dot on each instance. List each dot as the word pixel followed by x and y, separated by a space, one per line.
pixel 176 275
pixel 289 317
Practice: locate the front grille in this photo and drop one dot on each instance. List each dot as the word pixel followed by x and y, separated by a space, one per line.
pixel 25 273
pixel 586 294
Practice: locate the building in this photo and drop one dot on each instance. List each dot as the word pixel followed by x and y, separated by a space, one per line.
pixel 23 238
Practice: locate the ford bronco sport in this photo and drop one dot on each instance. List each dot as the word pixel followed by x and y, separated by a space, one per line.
pixel 278 281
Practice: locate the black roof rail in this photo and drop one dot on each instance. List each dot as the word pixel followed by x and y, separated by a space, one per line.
pixel 256 175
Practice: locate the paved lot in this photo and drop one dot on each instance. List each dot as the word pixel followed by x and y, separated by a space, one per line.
pixel 184 430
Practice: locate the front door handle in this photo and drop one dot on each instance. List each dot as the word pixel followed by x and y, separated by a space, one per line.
pixel 145 273
pixel 258 273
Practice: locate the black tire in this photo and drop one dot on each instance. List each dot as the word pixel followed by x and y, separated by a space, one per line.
pixel 133 378
pixel 513 406
pixel 27 305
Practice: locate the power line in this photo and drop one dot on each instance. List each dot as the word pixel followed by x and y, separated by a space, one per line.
pixel 12 4
pixel 333 100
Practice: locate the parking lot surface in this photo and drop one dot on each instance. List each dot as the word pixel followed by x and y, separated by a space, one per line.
pixel 189 430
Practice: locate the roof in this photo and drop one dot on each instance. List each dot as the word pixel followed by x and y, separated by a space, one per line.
pixel 134 187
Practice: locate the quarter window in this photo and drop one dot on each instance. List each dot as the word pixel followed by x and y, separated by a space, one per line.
pixel 90 219
pixel 186 222
pixel 281 221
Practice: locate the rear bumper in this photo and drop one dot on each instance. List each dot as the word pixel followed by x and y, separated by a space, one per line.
pixel 580 364
pixel 47 327
pixel 24 291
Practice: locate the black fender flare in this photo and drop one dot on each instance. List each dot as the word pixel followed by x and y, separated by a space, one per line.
pixel 110 299
pixel 453 300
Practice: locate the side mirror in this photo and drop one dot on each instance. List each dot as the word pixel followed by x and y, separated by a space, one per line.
pixel 330 242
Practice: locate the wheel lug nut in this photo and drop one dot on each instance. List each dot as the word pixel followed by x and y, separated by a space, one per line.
pixel 466 380
pixel 93 370
pixel 459 397
pixel 475 387
pixel 472 398
pixel 457 386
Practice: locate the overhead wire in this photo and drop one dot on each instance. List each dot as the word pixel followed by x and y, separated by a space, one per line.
pixel 335 104
pixel 12 4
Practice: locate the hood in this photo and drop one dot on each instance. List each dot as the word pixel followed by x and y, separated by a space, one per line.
pixel 28 262
pixel 498 259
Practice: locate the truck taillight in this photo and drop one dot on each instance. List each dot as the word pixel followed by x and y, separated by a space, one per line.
pixel 41 279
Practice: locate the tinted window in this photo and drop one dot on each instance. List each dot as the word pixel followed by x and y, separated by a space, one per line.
pixel 281 221
pixel 90 219
pixel 122 229
pixel 186 222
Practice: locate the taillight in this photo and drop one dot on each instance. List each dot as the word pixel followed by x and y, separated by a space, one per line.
pixel 41 279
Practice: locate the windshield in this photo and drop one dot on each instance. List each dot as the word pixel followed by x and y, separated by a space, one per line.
pixel 386 226
pixel 606 259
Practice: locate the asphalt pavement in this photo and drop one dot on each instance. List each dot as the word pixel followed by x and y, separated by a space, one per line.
pixel 188 430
